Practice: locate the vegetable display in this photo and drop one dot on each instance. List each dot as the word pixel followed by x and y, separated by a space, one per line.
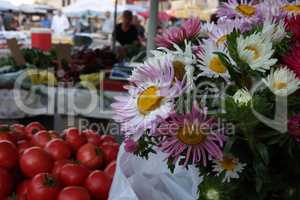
pixel 39 164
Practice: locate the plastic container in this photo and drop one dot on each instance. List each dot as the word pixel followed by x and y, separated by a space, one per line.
pixel 41 39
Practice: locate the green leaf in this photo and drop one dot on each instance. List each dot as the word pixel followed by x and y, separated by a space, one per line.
pixel 258 184
pixel 263 152
pixel 171 165
pixel 229 144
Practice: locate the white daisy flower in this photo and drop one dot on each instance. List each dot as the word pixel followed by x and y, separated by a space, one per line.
pixel 279 8
pixel 239 9
pixel 223 29
pixel 271 9
pixel 151 97
pixel 282 82
pixel 183 62
pixel 210 63
pixel 256 50
pixel 275 30
pixel 230 166
pixel 289 8
pixel 207 28
pixel 242 97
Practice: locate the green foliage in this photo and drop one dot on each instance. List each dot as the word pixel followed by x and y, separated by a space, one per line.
pixel 283 46
pixel 146 146
pixel 6 61
pixel 39 59
pixel 212 188
pixel 171 165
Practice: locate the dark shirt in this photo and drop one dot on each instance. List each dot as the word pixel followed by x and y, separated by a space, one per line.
pixel 141 31
pixel 8 22
pixel 128 37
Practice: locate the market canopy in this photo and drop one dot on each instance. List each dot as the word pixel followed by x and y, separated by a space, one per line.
pixel 89 6
pixel 33 8
pixel 132 7
pixel 6 5
pixel 97 7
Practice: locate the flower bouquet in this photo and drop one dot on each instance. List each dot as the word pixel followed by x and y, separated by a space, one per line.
pixel 223 97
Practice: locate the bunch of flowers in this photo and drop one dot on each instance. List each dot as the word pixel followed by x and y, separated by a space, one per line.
pixel 224 98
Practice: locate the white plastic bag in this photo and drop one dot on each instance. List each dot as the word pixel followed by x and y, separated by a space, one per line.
pixel 139 179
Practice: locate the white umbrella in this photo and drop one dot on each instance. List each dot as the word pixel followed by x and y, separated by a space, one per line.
pixel 91 6
pixel 6 5
pixel 31 8
pixel 132 7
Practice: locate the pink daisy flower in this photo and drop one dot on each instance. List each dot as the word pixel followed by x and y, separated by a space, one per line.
pixel 293 26
pixel 189 30
pixel 151 97
pixel 289 8
pixel 272 10
pixel 292 59
pixel 130 145
pixel 243 9
pixel 294 127
pixel 193 136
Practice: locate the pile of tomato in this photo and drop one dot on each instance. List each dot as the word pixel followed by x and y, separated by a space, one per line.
pixel 37 164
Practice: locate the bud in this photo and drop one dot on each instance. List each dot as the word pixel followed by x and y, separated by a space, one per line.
pixel 242 97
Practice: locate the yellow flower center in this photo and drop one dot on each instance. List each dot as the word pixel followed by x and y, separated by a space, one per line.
pixel 148 100
pixel 228 164
pixel 191 135
pixel 254 50
pixel 280 85
pixel 179 70
pixel 222 40
pixel 217 66
pixel 291 8
pixel 246 10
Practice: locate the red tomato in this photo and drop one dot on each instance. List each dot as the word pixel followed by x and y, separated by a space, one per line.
pixel 34 161
pixel 90 156
pixel 33 128
pixel 41 138
pixel 23 145
pixel 114 144
pixel 92 137
pixel 74 193
pixel 111 169
pixel 53 134
pixel 22 190
pixel 73 174
pixel 8 155
pixel 110 152
pixel 58 149
pixel 98 183
pixel 43 186
pixel 58 165
pixel 5 134
pixel 108 138
pixel 19 131
pixel 6 183
pixel 75 138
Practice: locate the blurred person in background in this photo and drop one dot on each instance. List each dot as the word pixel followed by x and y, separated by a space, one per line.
pixel 1 23
pixel 126 32
pixel 8 21
pixel 108 24
pixel 46 21
pixel 83 25
pixel 60 23
pixel 26 23
pixel 140 29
